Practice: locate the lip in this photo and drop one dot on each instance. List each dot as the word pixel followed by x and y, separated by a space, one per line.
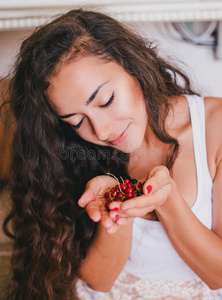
pixel 121 138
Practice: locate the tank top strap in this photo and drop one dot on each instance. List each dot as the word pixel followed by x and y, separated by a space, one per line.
pixel 197 114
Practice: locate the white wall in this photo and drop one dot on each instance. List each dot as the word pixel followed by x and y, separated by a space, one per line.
pixel 9 44
pixel 202 67
pixel 198 61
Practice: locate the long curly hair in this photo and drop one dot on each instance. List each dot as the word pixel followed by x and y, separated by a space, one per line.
pixel 51 164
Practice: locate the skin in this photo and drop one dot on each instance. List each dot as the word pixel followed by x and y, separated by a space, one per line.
pixel 77 81
pixel 173 193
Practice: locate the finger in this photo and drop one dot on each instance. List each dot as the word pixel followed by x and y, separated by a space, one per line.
pixel 93 210
pixel 112 229
pixel 90 194
pixel 138 212
pixel 115 205
pixel 114 215
pixel 109 224
pixel 94 188
pixel 143 201
pixel 149 202
pixel 106 221
pixel 158 177
pixel 115 211
pixel 124 221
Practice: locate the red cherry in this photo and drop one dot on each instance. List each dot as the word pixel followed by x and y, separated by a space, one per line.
pixel 134 186
pixel 117 188
pixel 140 185
pixel 129 195
pixel 113 194
pixel 123 191
pixel 133 181
pixel 126 181
pixel 119 196
pixel 123 186
pixel 129 190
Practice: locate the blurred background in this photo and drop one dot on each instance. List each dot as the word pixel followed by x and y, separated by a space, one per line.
pixel 188 33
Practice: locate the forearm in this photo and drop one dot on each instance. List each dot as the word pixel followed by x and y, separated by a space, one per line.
pixel 198 246
pixel 106 257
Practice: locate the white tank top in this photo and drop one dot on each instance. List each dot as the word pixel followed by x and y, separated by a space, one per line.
pixel 152 255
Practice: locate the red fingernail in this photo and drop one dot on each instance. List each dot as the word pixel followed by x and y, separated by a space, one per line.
pixel 116 208
pixel 149 189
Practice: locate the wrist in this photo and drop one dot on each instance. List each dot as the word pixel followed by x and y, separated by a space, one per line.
pixel 169 203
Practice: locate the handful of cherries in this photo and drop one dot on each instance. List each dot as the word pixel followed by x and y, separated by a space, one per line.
pixel 125 190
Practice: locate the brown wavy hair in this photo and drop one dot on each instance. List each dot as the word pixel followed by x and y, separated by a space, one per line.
pixel 52 164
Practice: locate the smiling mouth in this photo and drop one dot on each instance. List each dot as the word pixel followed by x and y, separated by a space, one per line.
pixel 121 138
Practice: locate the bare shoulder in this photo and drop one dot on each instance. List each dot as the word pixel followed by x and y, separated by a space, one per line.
pixel 212 103
pixel 213 113
pixel 213 118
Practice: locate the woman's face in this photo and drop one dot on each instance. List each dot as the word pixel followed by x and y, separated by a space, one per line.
pixel 102 101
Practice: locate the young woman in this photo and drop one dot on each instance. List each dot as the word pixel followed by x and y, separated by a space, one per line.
pixel 89 98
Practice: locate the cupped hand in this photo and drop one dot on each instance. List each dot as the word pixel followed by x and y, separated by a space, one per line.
pixel 156 189
pixel 94 202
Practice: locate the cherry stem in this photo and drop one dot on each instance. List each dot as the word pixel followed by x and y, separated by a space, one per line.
pixel 116 180
pixel 122 179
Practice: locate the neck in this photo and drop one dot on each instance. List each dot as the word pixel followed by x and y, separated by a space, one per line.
pixel 150 154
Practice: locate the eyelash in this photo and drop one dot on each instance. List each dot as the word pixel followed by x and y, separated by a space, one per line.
pixel 109 102
pixel 75 127
pixel 101 106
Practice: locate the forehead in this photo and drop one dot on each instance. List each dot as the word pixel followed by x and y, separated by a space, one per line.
pixel 82 77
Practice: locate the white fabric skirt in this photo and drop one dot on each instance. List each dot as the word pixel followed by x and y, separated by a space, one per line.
pixel 129 287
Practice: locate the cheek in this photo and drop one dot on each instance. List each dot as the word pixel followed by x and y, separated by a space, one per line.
pixel 138 109
pixel 86 132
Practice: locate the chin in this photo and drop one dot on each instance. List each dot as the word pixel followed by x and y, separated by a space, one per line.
pixel 129 147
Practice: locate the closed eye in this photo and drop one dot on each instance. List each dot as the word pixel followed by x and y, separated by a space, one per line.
pixel 109 102
pixel 75 127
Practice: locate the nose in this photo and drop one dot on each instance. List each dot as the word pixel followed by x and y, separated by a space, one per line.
pixel 101 127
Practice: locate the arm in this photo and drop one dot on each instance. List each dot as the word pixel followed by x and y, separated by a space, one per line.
pixel 201 248
pixel 106 257
pixel 108 253
pixel 198 246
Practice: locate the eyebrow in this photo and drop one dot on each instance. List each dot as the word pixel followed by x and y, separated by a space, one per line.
pixel 91 98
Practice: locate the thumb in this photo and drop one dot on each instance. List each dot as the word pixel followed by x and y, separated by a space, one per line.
pixel 96 187
pixel 90 194
pixel 158 177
